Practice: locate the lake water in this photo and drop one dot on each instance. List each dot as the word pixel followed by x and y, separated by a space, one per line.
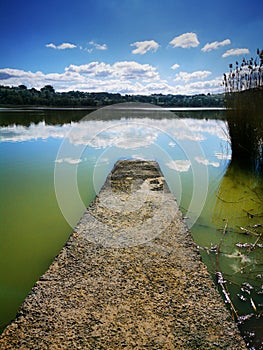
pixel 53 162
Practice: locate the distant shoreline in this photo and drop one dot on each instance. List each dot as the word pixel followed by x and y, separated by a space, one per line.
pixel 39 108
pixel 48 97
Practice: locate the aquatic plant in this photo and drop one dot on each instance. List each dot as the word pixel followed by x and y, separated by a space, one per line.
pixel 236 259
pixel 244 76
pixel 241 290
pixel 244 102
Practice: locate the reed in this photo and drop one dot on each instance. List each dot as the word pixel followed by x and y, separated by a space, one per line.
pixel 245 76
pixel 244 103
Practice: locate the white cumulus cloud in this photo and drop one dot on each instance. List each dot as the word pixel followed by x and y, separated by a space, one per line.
pixel 144 46
pixel 185 40
pixel 62 46
pixel 134 70
pixel 190 88
pixel 194 75
pixel 235 52
pixel 92 69
pixel 123 70
pixel 97 46
pixel 175 66
pixel 215 45
pixel 124 77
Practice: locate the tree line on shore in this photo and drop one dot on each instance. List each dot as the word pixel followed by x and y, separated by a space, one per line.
pixel 47 96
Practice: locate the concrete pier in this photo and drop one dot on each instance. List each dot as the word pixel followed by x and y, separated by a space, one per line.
pixel 129 277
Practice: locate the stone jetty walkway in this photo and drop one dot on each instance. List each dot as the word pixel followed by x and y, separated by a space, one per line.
pixel 129 277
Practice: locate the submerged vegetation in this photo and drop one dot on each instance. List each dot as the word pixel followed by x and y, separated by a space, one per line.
pixel 236 259
pixel 239 207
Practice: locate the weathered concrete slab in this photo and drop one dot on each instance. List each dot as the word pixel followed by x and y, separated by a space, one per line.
pixel 129 277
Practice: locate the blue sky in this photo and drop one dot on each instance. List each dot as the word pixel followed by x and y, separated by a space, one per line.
pixel 126 46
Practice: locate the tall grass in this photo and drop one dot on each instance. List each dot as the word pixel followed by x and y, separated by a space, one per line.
pixel 244 102
pixel 245 76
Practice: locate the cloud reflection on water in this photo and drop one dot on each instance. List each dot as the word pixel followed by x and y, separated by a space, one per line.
pixel 102 134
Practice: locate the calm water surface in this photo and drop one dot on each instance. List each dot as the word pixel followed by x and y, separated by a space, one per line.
pixel 53 162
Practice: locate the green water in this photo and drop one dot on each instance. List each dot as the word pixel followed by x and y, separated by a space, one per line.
pixel 52 164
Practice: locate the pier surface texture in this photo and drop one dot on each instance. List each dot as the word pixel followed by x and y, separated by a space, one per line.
pixel 129 277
